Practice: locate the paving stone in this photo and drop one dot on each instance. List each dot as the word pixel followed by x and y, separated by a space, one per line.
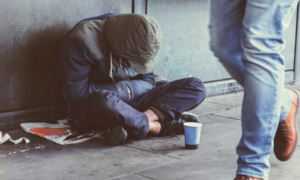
pixel 132 177
pixel 90 160
pixel 207 119
pixel 221 166
pixel 215 136
pixel 202 168
pixel 285 170
pixel 234 99
pixel 209 108
pixel 234 113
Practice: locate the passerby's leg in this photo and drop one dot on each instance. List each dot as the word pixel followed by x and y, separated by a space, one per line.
pixel 263 27
pixel 226 25
pixel 226 35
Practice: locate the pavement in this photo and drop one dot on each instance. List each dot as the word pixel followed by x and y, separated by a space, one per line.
pixel 161 158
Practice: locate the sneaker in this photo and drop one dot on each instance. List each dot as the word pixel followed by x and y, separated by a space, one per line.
pixel 117 135
pixel 173 127
pixel 189 117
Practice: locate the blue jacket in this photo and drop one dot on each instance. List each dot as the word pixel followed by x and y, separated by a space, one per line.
pixel 84 65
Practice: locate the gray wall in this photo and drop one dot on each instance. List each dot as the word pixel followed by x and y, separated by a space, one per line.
pixel 30 33
pixel 185 50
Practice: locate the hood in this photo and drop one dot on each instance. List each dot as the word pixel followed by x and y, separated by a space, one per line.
pixel 135 37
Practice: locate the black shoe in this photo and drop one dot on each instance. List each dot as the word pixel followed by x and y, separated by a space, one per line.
pixel 117 135
pixel 189 117
pixel 175 126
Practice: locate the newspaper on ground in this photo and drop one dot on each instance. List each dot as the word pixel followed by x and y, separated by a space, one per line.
pixel 7 138
pixel 60 133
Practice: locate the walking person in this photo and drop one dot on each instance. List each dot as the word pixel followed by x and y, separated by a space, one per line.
pixel 247 37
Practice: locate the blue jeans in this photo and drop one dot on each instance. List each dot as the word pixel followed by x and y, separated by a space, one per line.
pixel 247 37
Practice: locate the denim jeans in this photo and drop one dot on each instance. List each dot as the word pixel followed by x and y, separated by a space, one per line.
pixel 247 37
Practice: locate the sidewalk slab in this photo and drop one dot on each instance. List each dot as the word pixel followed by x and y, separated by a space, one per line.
pixel 234 99
pixel 209 108
pixel 219 135
pixel 200 168
pixel 208 119
pixel 222 166
pixel 285 170
pixel 132 177
pixel 90 160
pixel 233 113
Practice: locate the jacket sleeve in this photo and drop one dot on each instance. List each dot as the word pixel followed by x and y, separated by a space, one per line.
pixel 141 84
pixel 74 65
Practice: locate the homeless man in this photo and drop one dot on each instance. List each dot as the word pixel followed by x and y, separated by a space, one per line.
pixel 105 74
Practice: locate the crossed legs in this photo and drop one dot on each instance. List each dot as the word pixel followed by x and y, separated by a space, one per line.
pixel 103 109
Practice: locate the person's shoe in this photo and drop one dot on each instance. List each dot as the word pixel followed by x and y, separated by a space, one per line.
pixel 285 139
pixel 175 126
pixel 244 177
pixel 117 135
pixel 189 117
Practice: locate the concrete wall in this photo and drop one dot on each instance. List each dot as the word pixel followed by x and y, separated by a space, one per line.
pixel 185 50
pixel 30 33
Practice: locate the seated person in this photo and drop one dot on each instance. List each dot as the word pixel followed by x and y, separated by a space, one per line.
pixel 105 74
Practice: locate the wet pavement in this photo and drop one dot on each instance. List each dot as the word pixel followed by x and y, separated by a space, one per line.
pixel 162 158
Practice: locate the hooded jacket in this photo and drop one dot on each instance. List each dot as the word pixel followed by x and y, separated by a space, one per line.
pixel 85 65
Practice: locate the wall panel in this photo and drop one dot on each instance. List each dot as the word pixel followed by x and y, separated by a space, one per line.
pixel 185 50
pixel 30 34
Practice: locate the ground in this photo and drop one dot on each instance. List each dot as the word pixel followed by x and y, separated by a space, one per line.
pixel 163 158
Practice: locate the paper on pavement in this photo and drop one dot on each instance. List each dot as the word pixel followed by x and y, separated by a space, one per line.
pixel 60 133
pixel 7 138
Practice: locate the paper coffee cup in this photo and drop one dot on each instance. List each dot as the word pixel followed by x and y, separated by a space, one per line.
pixel 192 131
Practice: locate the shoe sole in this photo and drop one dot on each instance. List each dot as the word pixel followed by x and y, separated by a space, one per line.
pixel 296 127
pixel 117 135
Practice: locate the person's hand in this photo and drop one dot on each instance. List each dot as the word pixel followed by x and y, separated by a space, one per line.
pixel 129 92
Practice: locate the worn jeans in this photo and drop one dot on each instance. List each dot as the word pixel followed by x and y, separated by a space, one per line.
pixel 247 37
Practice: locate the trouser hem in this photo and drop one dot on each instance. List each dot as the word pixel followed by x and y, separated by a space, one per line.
pixel 256 175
